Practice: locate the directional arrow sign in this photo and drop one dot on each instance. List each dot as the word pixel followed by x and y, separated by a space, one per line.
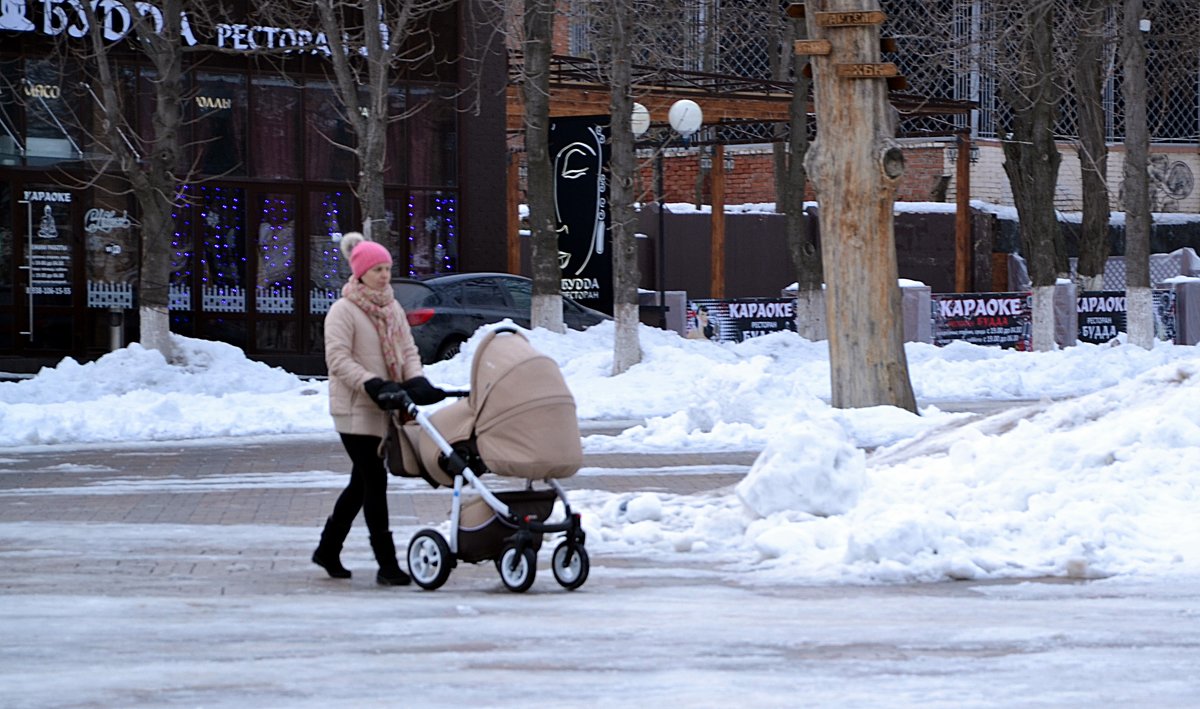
pixel 867 71
pixel 850 19
pixel 812 46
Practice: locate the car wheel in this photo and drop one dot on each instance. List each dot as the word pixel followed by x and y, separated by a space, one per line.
pixel 450 348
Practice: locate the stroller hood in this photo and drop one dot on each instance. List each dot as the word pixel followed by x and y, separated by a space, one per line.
pixel 522 413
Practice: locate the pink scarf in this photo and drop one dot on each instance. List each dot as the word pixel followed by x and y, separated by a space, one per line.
pixel 377 304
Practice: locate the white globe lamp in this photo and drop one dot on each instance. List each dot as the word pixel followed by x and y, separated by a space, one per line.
pixel 685 117
pixel 639 120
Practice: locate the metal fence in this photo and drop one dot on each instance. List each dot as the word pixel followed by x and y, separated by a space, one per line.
pixel 945 49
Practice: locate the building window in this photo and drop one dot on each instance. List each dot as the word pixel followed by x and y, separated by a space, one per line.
pixel 432 233
pixel 330 214
pixel 6 249
pixel 396 164
pixel 218 105
pixel 327 136
pixel 432 138
pixel 275 127
pixel 51 132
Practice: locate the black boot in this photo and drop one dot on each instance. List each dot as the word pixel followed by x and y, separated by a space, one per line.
pixel 390 573
pixel 329 550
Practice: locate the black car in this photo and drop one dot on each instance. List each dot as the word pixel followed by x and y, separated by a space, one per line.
pixel 444 311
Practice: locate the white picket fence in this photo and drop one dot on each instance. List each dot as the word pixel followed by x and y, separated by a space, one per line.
pixel 109 295
pixel 213 299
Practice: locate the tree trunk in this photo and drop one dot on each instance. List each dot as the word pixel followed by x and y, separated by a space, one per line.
pixel 372 135
pixel 1031 159
pixel 543 226
pixel 855 165
pixel 156 183
pixel 1138 303
pixel 627 350
pixel 802 249
pixel 1092 149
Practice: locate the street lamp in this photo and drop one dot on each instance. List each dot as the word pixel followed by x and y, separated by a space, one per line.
pixel 685 118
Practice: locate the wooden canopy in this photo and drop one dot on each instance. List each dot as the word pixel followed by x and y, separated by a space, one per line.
pixel 576 89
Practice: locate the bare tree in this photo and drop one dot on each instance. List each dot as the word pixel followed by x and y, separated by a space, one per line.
pixel 1031 159
pixel 1090 74
pixel 627 349
pixel 535 86
pixel 791 182
pixel 1138 297
pixel 855 165
pixel 150 161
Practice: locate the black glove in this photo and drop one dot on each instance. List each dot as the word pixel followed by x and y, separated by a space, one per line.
pixel 383 393
pixel 422 392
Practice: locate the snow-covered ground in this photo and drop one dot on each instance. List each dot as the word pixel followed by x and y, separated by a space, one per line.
pixel 1095 477
pixel 792 588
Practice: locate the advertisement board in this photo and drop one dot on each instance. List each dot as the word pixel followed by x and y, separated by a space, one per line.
pixel 997 319
pixel 1102 315
pixel 736 320
pixel 580 152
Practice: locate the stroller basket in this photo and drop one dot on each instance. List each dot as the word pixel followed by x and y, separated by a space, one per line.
pixel 482 532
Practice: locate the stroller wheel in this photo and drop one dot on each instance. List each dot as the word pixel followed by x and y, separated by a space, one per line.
pixel 570 575
pixel 517 571
pixel 429 560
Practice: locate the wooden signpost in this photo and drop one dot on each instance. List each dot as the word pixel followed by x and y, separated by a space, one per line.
pixel 855 167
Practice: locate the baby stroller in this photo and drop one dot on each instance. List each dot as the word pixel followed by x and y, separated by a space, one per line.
pixel 518 421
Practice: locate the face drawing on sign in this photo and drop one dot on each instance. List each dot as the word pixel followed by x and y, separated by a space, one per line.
pixel 579 182
pixel 12 16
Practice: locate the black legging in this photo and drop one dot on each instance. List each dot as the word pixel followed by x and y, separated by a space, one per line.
pixel 367 489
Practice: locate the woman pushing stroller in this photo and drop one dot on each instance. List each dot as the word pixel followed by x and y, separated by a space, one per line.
pixel 369 351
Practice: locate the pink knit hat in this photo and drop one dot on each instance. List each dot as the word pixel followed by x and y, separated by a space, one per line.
pixel 364 255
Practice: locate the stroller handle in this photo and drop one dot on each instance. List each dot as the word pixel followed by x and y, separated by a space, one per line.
pixel 401 400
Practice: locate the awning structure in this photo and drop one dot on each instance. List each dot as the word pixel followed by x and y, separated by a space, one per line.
pixel 577 89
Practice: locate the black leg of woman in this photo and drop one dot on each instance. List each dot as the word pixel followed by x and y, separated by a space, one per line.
pixel 360 488
pixel 367 489
pixel 368 485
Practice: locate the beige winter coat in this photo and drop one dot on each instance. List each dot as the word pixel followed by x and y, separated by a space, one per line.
pixel 354 355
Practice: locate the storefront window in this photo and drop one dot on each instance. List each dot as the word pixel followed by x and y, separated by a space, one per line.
pixel 436 43
pixel 396 168
pixel 222 228
pixel 330 214
pixel 181 257
pixel 432 138
pixel 50 252
pixel 145 105
pixel 219 132
pixel 50 133
pixel 10 140
pixel 6 246
pixel 275 251
pixel 275 127
pixel 110 247
pixel 326 136
pixel 432 233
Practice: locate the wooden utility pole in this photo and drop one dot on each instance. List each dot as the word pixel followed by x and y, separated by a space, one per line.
pixel 855 166
pixel 717 285
pixel 962 213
